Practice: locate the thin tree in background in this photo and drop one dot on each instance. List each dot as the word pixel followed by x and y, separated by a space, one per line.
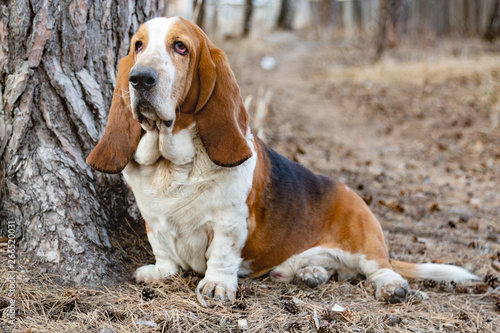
pixel 214 25
pixel 58 63
pixel 469 15
pixel 358 17
pixel 494 23
pixel 396 8
pixel 247 22
pixel 389 16
pixel 325 13
pixel 287 11
pixel 382 33
pixel 199 7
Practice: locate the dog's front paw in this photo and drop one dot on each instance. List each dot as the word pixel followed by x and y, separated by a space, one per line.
pixel 222 290
pixel 149 273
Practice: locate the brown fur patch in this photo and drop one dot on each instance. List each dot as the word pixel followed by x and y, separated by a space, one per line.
pixel 353 228
pixel 287 213
pixel 293 210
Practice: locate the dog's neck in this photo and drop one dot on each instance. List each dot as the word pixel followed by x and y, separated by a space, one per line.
pixel 172 159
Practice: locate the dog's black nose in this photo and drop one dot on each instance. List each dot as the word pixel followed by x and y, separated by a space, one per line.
pixel 143 79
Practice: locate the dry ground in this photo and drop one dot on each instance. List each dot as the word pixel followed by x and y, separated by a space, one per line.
pixel 417 135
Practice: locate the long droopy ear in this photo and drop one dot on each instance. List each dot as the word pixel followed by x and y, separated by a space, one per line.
pixel 220 116
pixel 123 133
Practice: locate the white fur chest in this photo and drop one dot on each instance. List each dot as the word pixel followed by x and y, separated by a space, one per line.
pixel 186 199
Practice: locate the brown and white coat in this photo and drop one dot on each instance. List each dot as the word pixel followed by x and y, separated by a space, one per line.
pixel 215 198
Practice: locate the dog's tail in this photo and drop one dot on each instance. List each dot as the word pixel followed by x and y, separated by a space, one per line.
pixel 436 272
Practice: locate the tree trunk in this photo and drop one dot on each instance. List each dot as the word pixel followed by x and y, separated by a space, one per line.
pixel 494 23
pixel 199 12
pixel 382 33
pixel 358 14
pixel 325 13
pixel 395 7
pixel 287 11
pixel 58 62
pixel 247 21
pixel 215 18
pixel 469 25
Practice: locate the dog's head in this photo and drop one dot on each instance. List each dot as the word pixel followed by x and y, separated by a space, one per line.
pixel 173 76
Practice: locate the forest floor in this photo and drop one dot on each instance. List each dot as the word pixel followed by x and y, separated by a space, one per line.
pixel 417 135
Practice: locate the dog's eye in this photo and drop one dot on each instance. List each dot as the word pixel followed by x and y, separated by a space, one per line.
pixel 138 46
pixel 180 48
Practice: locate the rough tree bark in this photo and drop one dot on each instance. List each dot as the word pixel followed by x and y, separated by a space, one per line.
pixel 58 62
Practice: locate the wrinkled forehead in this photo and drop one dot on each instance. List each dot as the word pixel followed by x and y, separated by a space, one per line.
pixel 162 31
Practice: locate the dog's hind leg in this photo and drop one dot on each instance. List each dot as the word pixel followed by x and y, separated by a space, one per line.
pixel 316 266
pixel 313 276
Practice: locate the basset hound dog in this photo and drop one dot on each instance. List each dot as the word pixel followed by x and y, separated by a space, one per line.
pixel 215 198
